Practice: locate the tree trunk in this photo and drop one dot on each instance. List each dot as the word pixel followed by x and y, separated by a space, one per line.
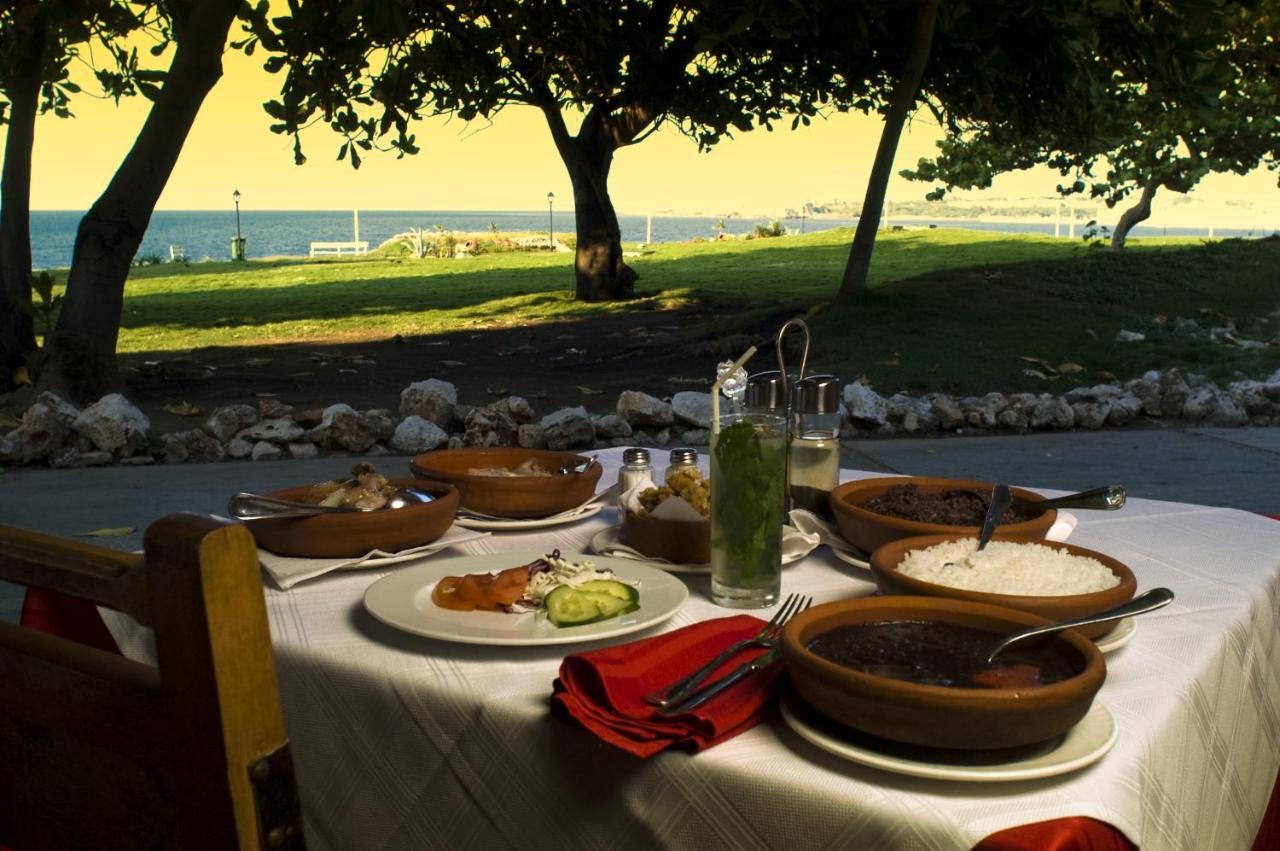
pixel 1139 212
pixel 599 273
pixel 598 268
pixel 854 282
pixel 17 333
pixel 81 352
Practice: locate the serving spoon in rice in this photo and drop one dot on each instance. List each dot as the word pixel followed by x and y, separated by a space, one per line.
pixel 1141 604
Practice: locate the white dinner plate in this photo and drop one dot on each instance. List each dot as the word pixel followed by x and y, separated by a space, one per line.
pixel 1085 743
pixel 1118 637
pixel 512 524
pixel 608 542
pixel 403 600
pixel 855 559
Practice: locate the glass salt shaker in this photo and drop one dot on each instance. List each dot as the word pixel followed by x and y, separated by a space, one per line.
pixel 635 468
pixel 681 459
pixel 813 468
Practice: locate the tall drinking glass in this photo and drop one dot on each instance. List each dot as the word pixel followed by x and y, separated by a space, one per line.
pixel 748 486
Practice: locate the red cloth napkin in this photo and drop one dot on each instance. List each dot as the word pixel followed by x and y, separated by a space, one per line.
pixel 68 617
pixel 1074 833
pixel 603 689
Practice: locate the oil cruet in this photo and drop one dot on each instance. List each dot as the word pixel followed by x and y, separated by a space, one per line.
pixel 813 449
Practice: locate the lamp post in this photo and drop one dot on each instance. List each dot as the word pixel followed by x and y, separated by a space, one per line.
pixel 551 239
pixel 237 244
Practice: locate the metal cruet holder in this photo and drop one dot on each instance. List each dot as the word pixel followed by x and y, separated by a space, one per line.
pixel 770 392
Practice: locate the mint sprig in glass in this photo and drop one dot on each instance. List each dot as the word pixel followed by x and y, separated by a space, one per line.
pixel 748 484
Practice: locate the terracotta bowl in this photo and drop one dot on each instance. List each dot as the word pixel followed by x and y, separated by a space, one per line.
pixel 352 534
pixel 678 541
pixel 510 496
pixel 930 715
pixel 868 530
pixel 885 560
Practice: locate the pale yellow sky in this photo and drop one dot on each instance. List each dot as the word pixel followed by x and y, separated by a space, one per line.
pixel 512 164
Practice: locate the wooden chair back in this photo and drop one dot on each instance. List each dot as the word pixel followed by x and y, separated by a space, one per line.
pixel 97 751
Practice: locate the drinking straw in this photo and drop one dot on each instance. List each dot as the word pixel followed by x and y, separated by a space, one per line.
pixel 715 388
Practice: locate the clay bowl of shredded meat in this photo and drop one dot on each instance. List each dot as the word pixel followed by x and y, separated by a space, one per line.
pixel 511 482
pixel 351 534
pixel 872 512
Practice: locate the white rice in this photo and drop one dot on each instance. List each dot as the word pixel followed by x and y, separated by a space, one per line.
pixel 1008 567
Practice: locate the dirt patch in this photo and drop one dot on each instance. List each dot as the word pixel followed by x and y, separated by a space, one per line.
pixel 586 362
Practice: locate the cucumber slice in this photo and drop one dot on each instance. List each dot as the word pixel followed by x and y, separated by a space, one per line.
pixel 613 588
pixel 610 606
pixel 569 607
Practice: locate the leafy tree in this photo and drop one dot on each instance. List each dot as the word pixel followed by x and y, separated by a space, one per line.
pixel 1198 92
pixel 80 359
pixel 967 62
pixel 902 98
pixel 39 43
pixel 605 75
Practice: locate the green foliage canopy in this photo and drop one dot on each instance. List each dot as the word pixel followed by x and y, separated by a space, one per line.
pixel 50 38
pixel 1197 91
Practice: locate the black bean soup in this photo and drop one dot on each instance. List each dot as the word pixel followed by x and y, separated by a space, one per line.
pixel 943 654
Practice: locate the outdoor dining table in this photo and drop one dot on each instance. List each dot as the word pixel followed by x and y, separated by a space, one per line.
pixel 402 741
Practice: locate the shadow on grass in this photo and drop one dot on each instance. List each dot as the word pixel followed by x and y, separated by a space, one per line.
pixel 1035 325
pixel 1049 326
pixel 788 271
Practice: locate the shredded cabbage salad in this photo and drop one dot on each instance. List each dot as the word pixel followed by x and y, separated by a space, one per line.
pixel 551 571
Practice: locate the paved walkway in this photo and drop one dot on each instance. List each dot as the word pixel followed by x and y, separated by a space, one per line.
pixel 1238 468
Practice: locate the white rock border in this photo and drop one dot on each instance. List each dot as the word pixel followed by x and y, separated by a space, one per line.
pixel 112 430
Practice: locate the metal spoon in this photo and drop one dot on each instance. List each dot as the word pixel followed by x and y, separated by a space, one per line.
pixel 1001 499
pixel 580 467
pixel 1105 498
pixel 1147 602
pixel 252 506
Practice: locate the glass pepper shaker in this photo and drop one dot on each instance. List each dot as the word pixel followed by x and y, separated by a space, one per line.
pixel 681 459
pixel 813 468
pixel 635 468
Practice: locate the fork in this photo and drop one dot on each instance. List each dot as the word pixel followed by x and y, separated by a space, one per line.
pixel 697 697
pixel 767 635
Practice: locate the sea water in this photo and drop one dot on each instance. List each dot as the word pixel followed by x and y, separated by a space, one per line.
pixel 206 235
pixel 289 233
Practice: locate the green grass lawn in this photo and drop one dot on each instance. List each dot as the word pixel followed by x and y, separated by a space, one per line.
pixel 949 310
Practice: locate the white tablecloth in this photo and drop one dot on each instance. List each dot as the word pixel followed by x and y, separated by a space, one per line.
pixel 407 742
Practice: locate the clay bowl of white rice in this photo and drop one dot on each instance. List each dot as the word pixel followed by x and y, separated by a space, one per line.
pixel 1047 578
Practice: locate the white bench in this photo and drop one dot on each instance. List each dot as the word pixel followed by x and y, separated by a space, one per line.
pixel 361 247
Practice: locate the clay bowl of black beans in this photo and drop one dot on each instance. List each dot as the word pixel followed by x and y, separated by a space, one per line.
pixel 914 670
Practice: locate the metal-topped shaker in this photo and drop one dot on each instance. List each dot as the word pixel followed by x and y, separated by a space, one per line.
pixel 766 393
pixel 682 458
pixel 814 443
pixel 635 468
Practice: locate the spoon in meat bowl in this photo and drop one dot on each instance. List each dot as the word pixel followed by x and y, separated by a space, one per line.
pixel 580 467
pixel 1148 602
pixel 252 506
